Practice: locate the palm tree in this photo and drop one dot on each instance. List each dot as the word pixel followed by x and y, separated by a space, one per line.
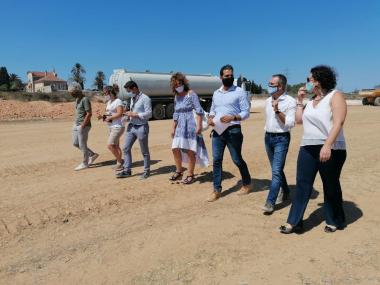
pixel 99 80
pixel 15 82
pixel 77 74
pixel 13 77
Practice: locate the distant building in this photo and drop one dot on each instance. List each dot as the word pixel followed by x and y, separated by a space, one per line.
pixel 45 82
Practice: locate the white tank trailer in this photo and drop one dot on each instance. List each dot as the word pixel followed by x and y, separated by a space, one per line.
pixel 157 87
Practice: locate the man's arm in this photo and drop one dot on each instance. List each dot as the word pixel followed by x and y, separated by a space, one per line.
pixel 244 107
pixel 87 108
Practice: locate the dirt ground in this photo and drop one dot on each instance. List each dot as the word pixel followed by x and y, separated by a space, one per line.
pixel 58 226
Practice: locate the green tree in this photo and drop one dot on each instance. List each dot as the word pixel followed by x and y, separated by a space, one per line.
pixel 4 78
pixel 256 89
pixel 77 74
pixel 99 80
pixel 15 82
pixel 293 89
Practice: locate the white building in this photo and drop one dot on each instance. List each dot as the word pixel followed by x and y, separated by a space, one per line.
pixel 45 82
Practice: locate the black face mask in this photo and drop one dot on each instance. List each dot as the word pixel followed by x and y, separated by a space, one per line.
pixel 228 82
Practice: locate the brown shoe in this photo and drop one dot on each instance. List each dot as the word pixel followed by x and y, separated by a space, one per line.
pixel 245 189
pixel 214 196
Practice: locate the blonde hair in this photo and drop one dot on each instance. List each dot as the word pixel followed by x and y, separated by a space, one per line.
pixel 181 78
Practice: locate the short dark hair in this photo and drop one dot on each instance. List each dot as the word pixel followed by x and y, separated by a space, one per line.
pixel 325 75
pixel 226 67
pixel 130 85
pixel 282 79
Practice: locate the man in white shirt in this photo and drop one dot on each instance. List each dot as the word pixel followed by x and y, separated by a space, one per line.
pixel 279 119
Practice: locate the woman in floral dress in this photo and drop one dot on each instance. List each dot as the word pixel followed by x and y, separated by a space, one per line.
pixel 188 145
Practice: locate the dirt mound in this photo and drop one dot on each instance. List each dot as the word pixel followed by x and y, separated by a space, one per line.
pixel 11 110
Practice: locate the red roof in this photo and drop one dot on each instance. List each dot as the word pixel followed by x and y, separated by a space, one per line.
pixel 40 73
pixel 51 77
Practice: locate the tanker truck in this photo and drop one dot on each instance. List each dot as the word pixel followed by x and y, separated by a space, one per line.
pixel 157 87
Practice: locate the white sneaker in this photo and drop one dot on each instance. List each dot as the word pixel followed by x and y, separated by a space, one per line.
pixel 92 158
pixel 81 166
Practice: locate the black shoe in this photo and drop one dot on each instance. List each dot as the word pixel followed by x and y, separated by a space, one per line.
pixel 123 174
pixel 145 175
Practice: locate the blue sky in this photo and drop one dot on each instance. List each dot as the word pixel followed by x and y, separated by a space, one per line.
pixel 259 38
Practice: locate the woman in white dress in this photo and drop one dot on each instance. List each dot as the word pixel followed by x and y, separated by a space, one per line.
pixel 188 145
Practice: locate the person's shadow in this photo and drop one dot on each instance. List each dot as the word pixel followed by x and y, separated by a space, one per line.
pixel 207 176
pixel 351 210
pixel 288 202
pixel 264 185
pixel 113 162
pixel 103 163
pixel 258 185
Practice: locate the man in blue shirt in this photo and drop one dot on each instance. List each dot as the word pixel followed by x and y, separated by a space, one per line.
pixel 138 129
pixel 230 105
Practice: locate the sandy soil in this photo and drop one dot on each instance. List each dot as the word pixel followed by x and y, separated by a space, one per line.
pixel 12 110
pixel 58 226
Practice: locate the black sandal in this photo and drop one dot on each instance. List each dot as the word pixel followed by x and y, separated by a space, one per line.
pixel 330 229
pixel 189 179
pixel 298 229
pixel 286 230
pixel 176 176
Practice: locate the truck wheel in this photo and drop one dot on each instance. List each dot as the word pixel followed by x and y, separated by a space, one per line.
pixel 169 110
pixel 377 101
pixel 206 106
pixel 158 112
pixel 365 101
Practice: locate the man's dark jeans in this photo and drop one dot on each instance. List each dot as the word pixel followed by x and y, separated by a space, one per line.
pixel 232 137
pixel 277 146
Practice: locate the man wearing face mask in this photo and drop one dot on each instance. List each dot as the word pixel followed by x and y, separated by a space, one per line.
pixel 280 111
pixel 139 114
pixel 230 105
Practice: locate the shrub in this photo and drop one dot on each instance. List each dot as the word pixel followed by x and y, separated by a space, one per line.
pixel 4 87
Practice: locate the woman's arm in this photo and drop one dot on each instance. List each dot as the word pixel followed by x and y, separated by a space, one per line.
pixel 173 128
pixel 119 113
pixel 339 112
pixel 299 105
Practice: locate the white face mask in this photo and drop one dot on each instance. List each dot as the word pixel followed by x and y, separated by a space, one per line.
pixel 107 98
pixel 130 94
pixel 179 89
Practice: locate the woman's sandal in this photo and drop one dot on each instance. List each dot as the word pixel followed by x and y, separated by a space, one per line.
pixel 286 229
pixel 176 176
pixel 189 179
pixel 330 229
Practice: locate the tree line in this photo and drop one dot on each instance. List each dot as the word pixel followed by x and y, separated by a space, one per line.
pixel 12 82
pixel 9 81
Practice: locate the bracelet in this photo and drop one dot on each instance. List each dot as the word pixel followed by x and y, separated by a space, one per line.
pixel 300 105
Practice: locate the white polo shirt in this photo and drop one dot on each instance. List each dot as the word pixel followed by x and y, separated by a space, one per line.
pixel 287 106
